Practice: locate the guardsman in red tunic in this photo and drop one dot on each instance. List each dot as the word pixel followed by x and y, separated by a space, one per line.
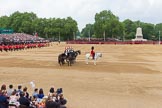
pixel 92 52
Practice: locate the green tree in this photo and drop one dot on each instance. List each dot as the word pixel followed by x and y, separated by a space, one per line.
pixel 88 31
pixel 158 31
pixel 4 22
pixel 22 22
pixel 129 29
pixel 70 28
pixel 148 31
pixel 106 24
pixel 29 23
pixel 116 29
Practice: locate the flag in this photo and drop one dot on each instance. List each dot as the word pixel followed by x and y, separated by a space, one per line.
pixel 36 34
pixel 32 84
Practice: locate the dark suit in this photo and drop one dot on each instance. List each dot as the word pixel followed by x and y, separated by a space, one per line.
pixel 24 101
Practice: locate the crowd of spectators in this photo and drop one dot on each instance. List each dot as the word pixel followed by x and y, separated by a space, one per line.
pixel 19 41
pixel 20 98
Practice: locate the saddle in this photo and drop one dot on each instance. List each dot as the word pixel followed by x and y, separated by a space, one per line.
pixel 92 56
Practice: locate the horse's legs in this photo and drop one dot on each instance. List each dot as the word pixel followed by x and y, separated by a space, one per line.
pixel 60 62
pixel 95 61
pixel 69 63
pixel 86 61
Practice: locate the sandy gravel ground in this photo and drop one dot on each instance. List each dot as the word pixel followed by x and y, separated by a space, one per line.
pixel 127 76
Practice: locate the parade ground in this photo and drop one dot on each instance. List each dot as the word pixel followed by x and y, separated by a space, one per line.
pixel 127 76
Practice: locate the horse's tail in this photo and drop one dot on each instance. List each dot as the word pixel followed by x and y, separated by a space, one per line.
pixel 59 60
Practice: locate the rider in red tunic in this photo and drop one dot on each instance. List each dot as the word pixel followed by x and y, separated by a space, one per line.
pixel 92 52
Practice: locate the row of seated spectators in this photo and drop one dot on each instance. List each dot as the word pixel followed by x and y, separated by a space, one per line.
pixel 17 37
pixel 18 41
pixel 20 98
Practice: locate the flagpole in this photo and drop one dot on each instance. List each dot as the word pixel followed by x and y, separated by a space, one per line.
pixel 159 37
pixel 89 35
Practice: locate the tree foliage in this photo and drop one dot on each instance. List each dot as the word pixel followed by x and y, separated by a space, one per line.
pixel 88 31
pixel 106 24
pixel 48 28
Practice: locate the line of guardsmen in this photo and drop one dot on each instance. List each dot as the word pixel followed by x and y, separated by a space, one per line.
pixel 21 46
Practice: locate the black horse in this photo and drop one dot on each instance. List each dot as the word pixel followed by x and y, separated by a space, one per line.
pixel 76 53
pixel 69 58
pixel 61 58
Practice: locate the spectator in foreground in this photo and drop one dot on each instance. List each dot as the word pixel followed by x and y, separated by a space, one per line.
pixel 41 93
pixel 52 104
pixel 3 99
pixel 10 90
pixel 35 93
pixel 3 90
pixel 52 93
pixel 23 100
pixel 26 93
pixel 13 99
pixel 19 89
pixel 62 101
